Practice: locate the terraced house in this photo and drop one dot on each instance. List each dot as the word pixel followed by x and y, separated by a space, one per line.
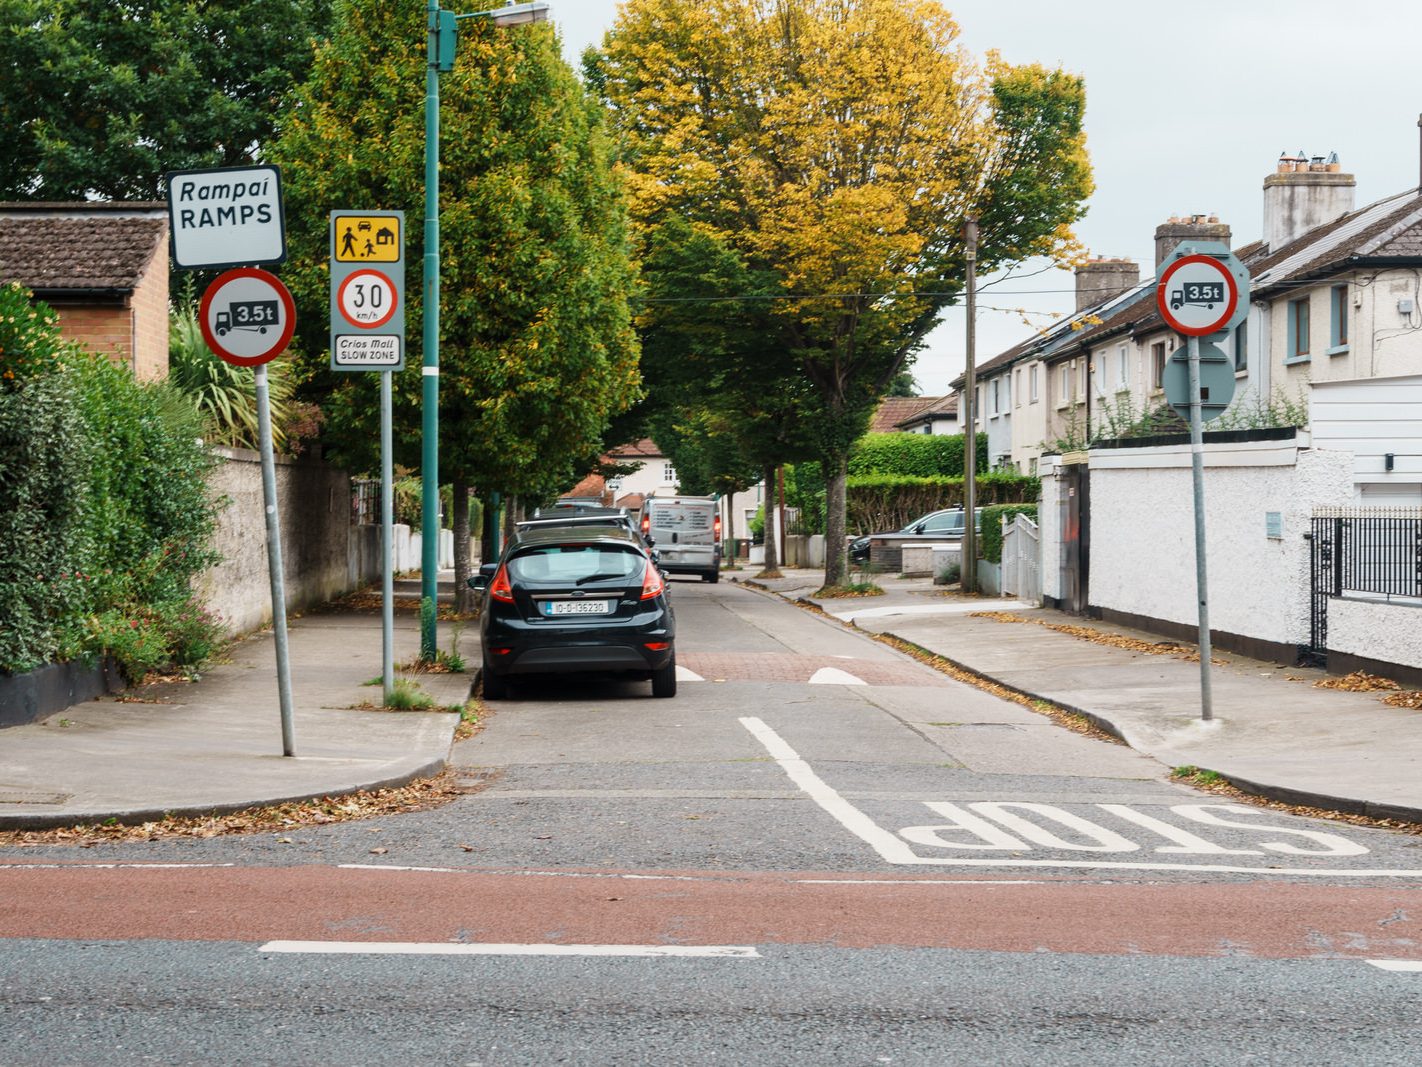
pixel 1333 339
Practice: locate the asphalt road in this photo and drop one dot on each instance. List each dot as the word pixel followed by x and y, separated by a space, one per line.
pixel 819 851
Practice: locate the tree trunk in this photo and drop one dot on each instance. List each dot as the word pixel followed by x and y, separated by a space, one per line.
pixel 836 546
pixel 513 513
pixel 772 561
pixel 463 595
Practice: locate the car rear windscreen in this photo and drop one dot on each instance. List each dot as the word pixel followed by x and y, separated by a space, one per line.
pixel 574 563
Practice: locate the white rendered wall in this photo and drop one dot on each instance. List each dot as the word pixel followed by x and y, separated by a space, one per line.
pixel 1143 533
pixel 1391 633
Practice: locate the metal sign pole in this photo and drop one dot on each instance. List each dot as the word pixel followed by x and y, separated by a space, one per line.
pixel 264 443
pixel 1197 468
pixel 387 548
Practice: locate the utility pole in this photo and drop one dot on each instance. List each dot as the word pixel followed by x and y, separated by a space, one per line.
pixel 969 566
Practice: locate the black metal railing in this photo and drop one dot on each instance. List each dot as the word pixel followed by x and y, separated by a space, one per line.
pixel 1363 552
pixel 1375 551
pixel 365 501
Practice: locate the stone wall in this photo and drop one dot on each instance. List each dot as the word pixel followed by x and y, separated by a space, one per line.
pixel 314 505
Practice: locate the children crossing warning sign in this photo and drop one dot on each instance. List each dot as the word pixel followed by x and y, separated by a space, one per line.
pixel 368 239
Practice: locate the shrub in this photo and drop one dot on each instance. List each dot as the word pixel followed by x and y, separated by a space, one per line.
pixel 990 541
pixel 44 523
pixel 105 515
pixel 30 345
pixel 913 455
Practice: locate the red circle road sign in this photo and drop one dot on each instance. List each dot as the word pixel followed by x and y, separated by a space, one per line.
pixel 367 299
pixel 247 316
pixel 1197 295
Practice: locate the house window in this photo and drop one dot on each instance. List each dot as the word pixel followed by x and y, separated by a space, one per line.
pixel 1100 371
pixel 1298 331
pixel 668 473
pixel 1241 346
pixel 1064 377
pixel 1032 381
pixel 1017 392
pixel 1123 367
pixel 995 408
pixel 1338 320
pixel 1157 363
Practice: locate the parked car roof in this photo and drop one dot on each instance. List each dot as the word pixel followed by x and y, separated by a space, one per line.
pixel 583 532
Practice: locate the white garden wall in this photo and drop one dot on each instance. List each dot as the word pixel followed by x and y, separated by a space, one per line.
pixel 1143 534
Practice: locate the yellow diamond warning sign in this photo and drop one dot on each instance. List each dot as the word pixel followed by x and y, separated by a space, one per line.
pixel 367 239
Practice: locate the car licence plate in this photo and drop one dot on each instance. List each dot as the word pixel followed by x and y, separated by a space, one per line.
pixel 577 607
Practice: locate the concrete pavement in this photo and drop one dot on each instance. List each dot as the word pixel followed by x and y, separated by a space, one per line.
pixel 181 748
pixel 1272 732
pixel 216 745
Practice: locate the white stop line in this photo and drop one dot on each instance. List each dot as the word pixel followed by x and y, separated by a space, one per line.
pixel 1018 827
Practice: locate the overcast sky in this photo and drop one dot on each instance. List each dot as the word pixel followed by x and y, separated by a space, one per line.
pixel 1188 106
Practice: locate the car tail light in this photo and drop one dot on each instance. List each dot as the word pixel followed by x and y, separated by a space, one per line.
pixel 501 589
pixel 646 523
pixel 652 584
pixel 717 527
pixel 657 646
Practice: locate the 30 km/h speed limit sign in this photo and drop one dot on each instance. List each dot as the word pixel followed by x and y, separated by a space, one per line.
pixel 367 299
pixel 247 316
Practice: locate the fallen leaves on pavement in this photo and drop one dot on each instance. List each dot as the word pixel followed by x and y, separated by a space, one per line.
pixel 1101 637
pixel 1411 699
pixel 420 795
pixel 1211 782
pixel 1358 682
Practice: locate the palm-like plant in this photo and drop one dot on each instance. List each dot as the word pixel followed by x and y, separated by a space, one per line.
pixel 224 395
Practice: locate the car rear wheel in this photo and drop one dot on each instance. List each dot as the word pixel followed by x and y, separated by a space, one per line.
pixel 495 688
pixel 664 680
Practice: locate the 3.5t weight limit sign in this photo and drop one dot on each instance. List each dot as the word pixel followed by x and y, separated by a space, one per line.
pixel 1197 295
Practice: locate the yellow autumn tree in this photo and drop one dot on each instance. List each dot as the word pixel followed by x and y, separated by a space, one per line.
pixel 839 145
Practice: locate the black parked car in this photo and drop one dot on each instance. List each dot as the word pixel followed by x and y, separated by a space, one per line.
pixel 946 523
pixel 547 518
pixel 574 600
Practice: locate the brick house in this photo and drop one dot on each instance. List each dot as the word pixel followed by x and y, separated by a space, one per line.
pixel 103 267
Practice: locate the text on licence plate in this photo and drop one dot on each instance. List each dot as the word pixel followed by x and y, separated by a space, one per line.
pixel 577 607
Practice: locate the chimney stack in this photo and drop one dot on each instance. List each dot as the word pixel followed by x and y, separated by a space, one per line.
pixel 1101 279
pixel 1303 194
pixel 1181 228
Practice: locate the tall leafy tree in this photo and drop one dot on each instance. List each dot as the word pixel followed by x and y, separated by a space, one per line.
pixel 102 97
pixel 537 349
pixel 838 145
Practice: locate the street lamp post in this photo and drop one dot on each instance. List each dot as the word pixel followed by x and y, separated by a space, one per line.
pixel 439 52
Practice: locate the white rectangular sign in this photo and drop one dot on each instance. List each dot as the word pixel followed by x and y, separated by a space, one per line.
pixel 368 351
pixel 229 217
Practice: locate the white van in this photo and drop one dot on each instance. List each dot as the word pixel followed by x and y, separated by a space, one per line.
pixel 686 533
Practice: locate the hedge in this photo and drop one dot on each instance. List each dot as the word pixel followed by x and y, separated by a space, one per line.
pixel 105 515
pixel 990 541
pixel 882 502
pixel 906 455
pixel 913 455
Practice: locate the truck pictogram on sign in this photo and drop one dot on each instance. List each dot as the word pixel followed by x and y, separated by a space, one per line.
pixel 1201 294
pixel 246 315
